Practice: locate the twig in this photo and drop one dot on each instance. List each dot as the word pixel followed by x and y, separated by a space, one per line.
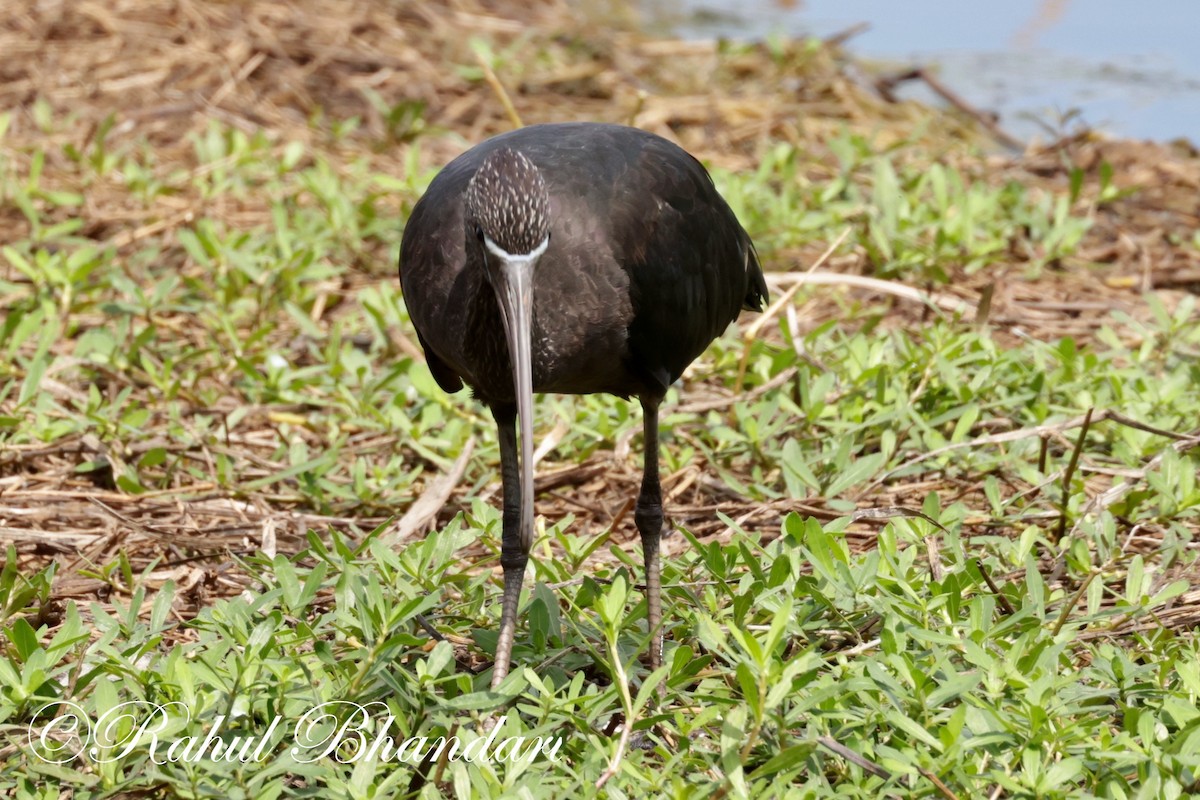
pixel 619 517
pixel 890 512
pixel 641 587
pixel 131 522
pixel 73 539
pixel 1074 601
pixel 932 546
pixel 933 554
pixel 938 301
pixel 841 37
pixel 245 72
pixel 793 324
pixel 991 438
pixel 551 440
pixel 622 682
pixel 430 503
pixel 886 84
pixel 1069 474
pixel 1000 598
pixel 639 104
pixel 1128 422
pixel 857 649
pixel 840 749
pixel 983 308
pixel 501 93
pixel 701 406
pixel 942 788
pixel 753 328
pixel 433 632
pixel 1106 499
pixel 127 236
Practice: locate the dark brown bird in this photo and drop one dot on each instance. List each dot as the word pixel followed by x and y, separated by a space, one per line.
pixel 574 258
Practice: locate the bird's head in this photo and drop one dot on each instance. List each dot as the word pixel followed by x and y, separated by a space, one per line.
pixel 508 212
pixel 508 207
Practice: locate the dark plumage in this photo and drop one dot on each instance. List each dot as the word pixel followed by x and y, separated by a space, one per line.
pixel 644 266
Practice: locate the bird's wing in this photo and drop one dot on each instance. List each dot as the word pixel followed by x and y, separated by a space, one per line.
pixel 445 376
pixel 421 246
pixel 691 265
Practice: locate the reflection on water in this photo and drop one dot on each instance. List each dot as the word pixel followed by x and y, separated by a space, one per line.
pixel 1132 69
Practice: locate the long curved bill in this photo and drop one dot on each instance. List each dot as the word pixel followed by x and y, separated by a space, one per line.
pixel 516 308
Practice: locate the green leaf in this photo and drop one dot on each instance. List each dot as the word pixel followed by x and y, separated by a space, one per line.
pixel 24 638
pixel 788 759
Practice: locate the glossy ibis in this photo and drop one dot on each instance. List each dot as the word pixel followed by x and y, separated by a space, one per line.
pixel 574 258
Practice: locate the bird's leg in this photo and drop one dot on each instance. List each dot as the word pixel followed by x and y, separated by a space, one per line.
pixel 649 519
pixel 513 556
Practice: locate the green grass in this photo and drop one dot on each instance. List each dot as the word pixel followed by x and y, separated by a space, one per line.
pixel 784 650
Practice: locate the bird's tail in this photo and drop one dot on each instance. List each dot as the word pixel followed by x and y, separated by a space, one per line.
pixel 756 284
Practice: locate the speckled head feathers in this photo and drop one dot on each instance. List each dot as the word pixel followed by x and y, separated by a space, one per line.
pixel 507 198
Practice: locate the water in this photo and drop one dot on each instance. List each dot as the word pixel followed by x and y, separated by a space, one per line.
pixel 1129 69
